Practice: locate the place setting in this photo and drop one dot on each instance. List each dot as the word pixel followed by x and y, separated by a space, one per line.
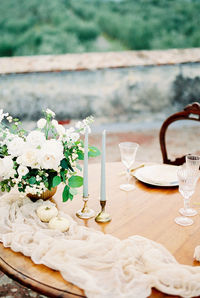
pixel 184 177
pixel 161 175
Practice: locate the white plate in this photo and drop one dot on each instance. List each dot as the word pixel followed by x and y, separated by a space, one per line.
pixel 158 175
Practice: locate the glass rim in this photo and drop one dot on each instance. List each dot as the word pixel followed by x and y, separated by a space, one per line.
pixel 193 157
pixel 128 144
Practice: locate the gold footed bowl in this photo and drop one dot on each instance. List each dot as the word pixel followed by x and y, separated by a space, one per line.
pixel 46 195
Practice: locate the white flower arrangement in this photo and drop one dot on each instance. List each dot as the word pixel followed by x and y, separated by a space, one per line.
pixel 43 158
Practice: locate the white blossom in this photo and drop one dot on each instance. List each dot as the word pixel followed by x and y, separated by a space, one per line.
pixel 50 112
pixel 38 178
pixel 54 123
pixel 29 158
pixel 16 180
pixel 61 130
pixel 6 167
pixel 9 118
pixel 41 123
pixel 22 171
pixel 35 189
pixel 72 135
pixel 51 154
pixel 74 156
pixel 35 139
pixel 2 115
pixel 16 146
pixel 79 125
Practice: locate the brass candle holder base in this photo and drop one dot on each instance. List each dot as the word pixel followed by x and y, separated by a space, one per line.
pixel 103 216
pixel 85 212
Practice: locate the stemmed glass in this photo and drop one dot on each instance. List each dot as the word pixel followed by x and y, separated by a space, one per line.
pixel 187 183
pixel 128 152
pixel 193 163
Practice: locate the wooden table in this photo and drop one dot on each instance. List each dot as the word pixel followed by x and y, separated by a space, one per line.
pixel 147 211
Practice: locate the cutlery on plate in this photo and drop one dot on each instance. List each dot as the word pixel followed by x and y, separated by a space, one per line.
pixel 138 167
pixel 132 170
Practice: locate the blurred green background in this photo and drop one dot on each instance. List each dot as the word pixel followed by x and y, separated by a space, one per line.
pixel 35 27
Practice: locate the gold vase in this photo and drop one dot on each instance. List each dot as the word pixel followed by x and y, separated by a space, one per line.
pixel 46 195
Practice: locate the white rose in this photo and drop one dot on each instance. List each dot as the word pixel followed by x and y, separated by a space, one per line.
pixel 54 123
pixel 16 146
pixel 22 171
pixel 29 158
pixel 51 154
pixel 49 161
pixel 41 123
pixel 50 112
pixel 60 129
pixel 6 167
pixel 53 146
pixel 35 139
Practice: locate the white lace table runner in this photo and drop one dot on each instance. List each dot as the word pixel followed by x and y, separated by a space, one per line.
pixel 102 265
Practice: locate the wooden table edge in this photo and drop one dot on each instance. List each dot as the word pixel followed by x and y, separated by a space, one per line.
pixel 32 283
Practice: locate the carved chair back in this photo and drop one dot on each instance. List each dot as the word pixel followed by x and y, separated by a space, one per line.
pixel 190 112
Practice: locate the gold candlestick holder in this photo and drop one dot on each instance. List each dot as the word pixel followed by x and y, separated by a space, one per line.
pixel 85 212
pixel 103 216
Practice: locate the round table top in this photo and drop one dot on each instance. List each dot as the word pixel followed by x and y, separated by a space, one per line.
pixel 148 211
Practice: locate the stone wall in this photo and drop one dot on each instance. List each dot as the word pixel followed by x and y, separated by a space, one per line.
pixel 124 93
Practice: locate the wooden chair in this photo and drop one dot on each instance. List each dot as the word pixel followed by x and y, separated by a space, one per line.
pixel 190 112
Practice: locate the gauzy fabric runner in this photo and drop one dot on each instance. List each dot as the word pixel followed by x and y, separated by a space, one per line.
pixel 102 265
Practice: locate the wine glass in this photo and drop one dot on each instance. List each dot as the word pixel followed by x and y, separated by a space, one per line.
pixel 193 163
pixel 128 152
pixel 187 183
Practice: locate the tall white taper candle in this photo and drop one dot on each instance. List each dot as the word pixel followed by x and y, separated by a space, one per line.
pixel 85 166
pixel 103 168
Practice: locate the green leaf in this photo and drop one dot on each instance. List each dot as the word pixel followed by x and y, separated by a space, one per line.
pixel 32 180
pixel 73 191
pixel 80 155
pixel 66 165
pixel 66 195
pixel 62 174
pixel 93 151
pixel 14 127
pixel 75 181
pixel 50 179
pixel 56 181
